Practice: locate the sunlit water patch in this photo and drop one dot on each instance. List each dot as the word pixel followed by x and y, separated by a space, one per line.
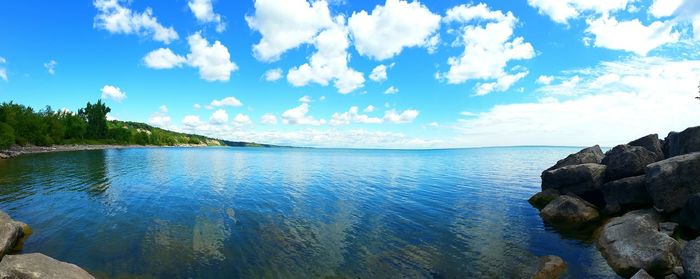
pixel 291 213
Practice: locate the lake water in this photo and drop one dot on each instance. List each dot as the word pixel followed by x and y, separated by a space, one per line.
pixel 291 213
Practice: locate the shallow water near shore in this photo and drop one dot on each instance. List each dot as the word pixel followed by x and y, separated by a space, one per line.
pixel 291 213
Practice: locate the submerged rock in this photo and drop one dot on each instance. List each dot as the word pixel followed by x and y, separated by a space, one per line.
pixel 569 211
pixel 681 143
pixel 641 274
pixel 651 143
pixel 577 179
pixel 542 199
pixel 690 257
pixel 626 160
pixel 591 154
pixel 628 192
pixel 11 232
pixel 550 267
pixel 35 266
pixel 673 181
pixel 633 242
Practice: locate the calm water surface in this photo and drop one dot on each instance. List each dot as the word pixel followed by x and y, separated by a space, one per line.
pixel 291 213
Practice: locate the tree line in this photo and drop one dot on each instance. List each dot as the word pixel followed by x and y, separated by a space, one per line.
pixel 22 125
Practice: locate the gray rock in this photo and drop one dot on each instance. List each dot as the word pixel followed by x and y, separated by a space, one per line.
pixel 550 267
pixel 35 266
pixel 690 257
pixel 628 192
pixel 673 181
pixel 542 199
pixel 626 160
pixel 569 211
pixel 641 274
pixel 678 271
pixel 669 228
pixel 651 143
pixel 670 276
pixel 588 155
pixel 11 232
pixel 633 242
pixel 681 143
pixel 577 179
pixel 690 214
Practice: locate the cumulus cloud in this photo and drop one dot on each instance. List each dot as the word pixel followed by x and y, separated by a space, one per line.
pixel 113 93
pixel 218 117
pixel 391 90
pixel 631 35
pixel 268 119
pixel 3 71
pixel 406 116
pixel 161 118
pixel 488 48
pixel 212 60
pixel 273 74
pixel 561 11
pixel 191 121
pixel 242 120
pixel 203 10
pixel 388 29
pixel 115 18
pixel 353 116
pixel 299 116
pixel 379 73
pixel 545 80
pixel 305 99
pixel 329 62
pixel 51 67
pixel 228 101
pixel 640 96
pixel 369 108
pixel 286 24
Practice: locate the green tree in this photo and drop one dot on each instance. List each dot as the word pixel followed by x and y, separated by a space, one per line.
pixel 7 136
pixel 74 125
pixel 96 117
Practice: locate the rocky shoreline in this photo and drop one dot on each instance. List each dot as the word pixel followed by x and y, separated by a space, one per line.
pixel 30 266
pixel 641 200
pixel 21 150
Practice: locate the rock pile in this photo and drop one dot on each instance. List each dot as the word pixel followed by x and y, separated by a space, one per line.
pixel 642 194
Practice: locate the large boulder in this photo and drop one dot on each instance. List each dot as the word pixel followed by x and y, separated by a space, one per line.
pixel 569 211
pixel 11 232
pixel 681 143
pixel 542 199
pixel 588 155
pixel 642 274
pixel 651 143
pixel 626 160
pixel 633 242
pixel 690 257
pixel 673 181
pixel 626 193
pixel 577 179
pixel 550 267
pixel 35 266
pixel 690 214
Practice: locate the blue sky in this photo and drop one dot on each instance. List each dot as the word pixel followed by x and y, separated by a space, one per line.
pixel 387 74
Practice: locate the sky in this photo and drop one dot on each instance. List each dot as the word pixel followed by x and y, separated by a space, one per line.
pixel 365 74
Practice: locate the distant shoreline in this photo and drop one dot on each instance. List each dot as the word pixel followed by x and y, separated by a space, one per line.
pixel 23 150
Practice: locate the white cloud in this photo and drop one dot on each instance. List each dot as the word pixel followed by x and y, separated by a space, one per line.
pixel 228 101
pixel 649 95
pixel 369 108
pixel 273 74
pixel 545 80
pixel 561 11
pixel 406 116
pixel 269 119
pixel 390 28
pixel 305 99
pixel 488 47
pixel 116 18
pixel 467 114
pixel 631 35
pixel 191 121
pixel 218 117
pixel 163 109
pixel 241 120
pixel 197 106
pixel 203 10
pixel 51 67
pixel 391 90
pixel 113 93
pixel 163 58
pixel 161 118
pixel 3 71
pixel 213 61
pixel 502 84
pixel 379 73
pixel 664 8
pixel 329 62
pixel 298 116
pixel 286 25
pixel 353 116
pixel 434 124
